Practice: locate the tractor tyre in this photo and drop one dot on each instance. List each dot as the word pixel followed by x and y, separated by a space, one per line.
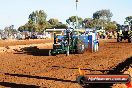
pixel 130 39
pixel 119 39
pixel 80 47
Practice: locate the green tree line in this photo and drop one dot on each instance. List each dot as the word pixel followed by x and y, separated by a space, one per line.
pixel 37 21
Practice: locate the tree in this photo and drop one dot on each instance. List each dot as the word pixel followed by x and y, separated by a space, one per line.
pixel 53 22
pixel 72 21
pixel 103 14
pixel 22 28
pixel 89 23
pixel 61 26
pixel 111 26
pixel 102 17
pixel 92 23
pixel 10 29
pixel 128 20
pixel 37 20
pixel 37 17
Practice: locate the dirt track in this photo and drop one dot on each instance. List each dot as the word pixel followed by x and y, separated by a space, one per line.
pixel 33 68
pixel 4 43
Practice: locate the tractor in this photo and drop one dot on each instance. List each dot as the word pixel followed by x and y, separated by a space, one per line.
pixel 68 43
pixel 124 32
pixel 71 42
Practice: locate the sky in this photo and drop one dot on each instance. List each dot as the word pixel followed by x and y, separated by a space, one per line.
pixel 16 12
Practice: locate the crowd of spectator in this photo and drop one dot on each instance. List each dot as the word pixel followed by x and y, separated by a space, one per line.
pixel 24 35
pixel 107 35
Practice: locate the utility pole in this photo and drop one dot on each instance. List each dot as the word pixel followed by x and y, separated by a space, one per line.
pixel 77 24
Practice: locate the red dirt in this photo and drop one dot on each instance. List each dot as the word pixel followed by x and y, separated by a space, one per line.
pixel 36 69
pixel 4 43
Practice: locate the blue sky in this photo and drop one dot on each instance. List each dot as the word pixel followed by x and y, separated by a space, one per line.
pixel 16 12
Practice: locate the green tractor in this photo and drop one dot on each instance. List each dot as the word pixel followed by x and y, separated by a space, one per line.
pixel 124 32
pixel 68 43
